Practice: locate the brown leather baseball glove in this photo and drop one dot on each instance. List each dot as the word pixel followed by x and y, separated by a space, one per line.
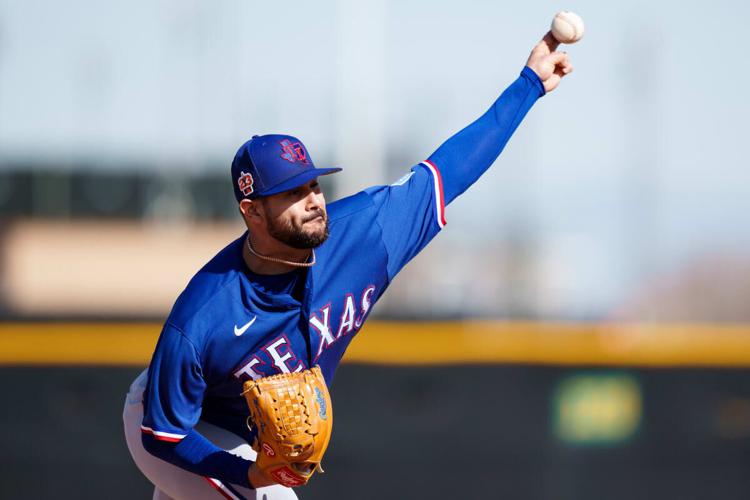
pixel 293 417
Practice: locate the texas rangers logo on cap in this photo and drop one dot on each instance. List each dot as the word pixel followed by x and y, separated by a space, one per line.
pixel 293 151
pixel 245 183
pixel 271 164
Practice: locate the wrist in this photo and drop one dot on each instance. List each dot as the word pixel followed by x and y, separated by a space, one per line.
pixel 256 478
pixel 530 75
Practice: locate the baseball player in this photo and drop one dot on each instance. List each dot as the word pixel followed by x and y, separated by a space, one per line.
pixel 293 291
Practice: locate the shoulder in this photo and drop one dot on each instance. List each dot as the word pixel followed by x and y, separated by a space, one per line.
pixel 345 207
pixel 212 288
pixel 372 198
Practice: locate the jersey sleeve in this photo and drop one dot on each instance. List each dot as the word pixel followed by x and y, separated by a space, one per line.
pixel 174 393
pixel 410 213
pixel 466 155
pixel 172 406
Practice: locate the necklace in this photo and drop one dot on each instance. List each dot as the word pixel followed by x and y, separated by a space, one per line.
pixel 281 261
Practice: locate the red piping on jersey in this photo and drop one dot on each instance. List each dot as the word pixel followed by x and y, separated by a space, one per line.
pixel 218 486
pixel 440 198
pixel 162 436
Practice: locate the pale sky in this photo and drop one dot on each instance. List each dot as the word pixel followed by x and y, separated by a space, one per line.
pixel 635 165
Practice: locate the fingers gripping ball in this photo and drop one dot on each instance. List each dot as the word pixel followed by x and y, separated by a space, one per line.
pixel 293 418
pixel 567 27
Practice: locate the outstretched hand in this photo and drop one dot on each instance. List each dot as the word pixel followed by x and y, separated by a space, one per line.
pixel 549 65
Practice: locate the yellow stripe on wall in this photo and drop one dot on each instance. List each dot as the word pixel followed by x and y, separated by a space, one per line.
pixel 77 344
pixel 122 344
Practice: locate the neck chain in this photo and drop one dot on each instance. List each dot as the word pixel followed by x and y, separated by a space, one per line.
pixel 281 261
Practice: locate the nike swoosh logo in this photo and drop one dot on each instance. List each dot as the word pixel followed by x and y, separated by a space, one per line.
pixel 240 331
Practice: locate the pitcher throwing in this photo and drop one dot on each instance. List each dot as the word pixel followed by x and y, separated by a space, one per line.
pixel 293 290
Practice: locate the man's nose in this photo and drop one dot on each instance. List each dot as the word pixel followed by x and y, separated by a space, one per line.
pixel 312 201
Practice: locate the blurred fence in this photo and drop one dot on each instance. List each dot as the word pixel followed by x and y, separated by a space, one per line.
pixel 439 432
pixel 414 343
pixel 468 410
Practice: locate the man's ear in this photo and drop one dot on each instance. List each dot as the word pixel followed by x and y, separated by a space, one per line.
pixel 251 211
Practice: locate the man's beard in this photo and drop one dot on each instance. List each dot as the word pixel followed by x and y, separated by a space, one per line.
pixel 298 237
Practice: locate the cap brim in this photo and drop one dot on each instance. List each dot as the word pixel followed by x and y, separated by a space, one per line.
pixel 298 180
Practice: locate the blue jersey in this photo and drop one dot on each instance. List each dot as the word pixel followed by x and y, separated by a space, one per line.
pixel 226 328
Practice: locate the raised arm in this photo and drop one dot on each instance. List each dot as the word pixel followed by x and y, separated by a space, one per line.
pixel 464 157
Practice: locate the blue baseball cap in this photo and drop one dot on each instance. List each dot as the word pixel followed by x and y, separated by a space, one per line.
pixel 271 164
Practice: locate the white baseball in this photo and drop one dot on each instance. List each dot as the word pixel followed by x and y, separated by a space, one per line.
pixel 567 27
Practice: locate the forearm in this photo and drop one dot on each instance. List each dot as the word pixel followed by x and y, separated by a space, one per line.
pixel 198 455
pixel 464 157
